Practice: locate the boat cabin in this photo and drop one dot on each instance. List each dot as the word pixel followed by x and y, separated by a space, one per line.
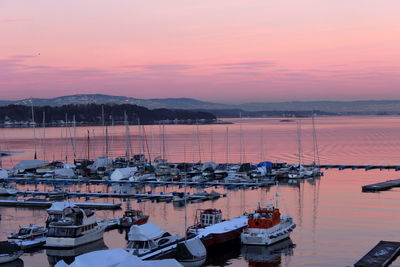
pixel 266 216
pixel 208 217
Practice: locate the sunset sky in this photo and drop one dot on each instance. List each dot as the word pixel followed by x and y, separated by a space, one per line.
pixel 230 51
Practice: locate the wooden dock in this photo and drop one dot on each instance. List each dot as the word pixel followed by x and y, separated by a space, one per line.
pixel 47 204
pixel 383 254
pixel 381 186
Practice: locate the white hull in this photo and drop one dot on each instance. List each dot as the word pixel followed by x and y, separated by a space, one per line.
pixel 4 258
pixel 67 242
pixel 266 237
pixel 26 244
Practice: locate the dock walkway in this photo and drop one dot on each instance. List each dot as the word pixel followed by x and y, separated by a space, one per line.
pixel 47 204
pixel 381 186
pixel 383 254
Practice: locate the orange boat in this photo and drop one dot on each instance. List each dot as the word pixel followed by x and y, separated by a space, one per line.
pixel 266 226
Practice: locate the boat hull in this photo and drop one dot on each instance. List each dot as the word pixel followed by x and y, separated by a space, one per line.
pixel 4 258
pixel 27 244
pixel 216 239
pixel 266 237
pixel 68 242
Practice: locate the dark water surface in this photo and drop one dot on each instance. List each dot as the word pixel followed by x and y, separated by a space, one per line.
pixel 336 223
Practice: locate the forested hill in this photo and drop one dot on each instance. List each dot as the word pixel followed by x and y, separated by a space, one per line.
pixel 91 114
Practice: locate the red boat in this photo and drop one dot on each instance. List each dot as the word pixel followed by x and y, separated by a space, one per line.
pixel 133 217
pixel 212 230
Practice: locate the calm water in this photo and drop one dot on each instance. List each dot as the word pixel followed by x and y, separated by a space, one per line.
pixel 337 224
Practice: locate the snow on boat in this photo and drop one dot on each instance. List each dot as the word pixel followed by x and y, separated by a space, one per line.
pixel 148 241
pixel 123 173
pixel 212 230
pixel 266 226
pixel 114 258
pixel 29 237
pixel 9 252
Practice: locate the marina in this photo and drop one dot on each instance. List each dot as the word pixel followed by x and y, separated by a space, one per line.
pixel 307 200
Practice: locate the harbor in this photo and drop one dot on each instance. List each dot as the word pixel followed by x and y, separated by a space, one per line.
pixel 313 201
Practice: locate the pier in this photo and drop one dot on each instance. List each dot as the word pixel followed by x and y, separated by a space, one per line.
pixel 383 254
pixel 47 204
pixel 160 196
pixel 381 186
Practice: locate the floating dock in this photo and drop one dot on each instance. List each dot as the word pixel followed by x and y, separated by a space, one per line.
pixel 47 204
pixel 383 254
pixel 151 183
pixel 381 186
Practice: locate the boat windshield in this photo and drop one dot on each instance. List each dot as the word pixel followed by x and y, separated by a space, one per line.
pixel 139 245
pixel 24 231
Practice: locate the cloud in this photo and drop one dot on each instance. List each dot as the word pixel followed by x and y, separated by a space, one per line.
pixel 161 67
pixel 247 65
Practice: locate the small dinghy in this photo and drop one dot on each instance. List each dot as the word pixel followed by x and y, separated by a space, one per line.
pixel 9 252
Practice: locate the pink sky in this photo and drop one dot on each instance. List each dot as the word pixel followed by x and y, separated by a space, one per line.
pixel 218 50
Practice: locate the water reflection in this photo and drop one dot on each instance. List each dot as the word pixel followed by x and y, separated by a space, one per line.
pixel 68 255
pixel 267 256
pixel 16 263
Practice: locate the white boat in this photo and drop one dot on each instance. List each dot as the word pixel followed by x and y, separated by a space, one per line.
pixel 148 241
pixel 116 257
pixel 71 226
pixel 9 252
pixel 29 237
pixel 266 226
pixel 7 190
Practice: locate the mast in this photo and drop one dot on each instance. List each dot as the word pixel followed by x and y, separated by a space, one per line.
pixel 315 143
pixel 34 129
pixel 227 146
pixel 44 135
pixel 88 145
pixel 66 137
pixel 212 144
pixel 299 146
pixel 262 156
pixel 74 137
pixel 241 149
pixel 198 140
pixel 127 139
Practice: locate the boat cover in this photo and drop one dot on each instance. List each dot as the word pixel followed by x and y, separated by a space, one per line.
pixel 7 247
pixel 3 174
pixel 64 173
pixel 60 206
pixel 115 258
pixel 147 231
pixel 101 162
pixel 208 165
pixel 30 164
pixel 196 247
pixel 122 173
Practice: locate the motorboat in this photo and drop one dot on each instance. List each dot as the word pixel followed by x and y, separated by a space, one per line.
pixel 212 230
pixel 31 236
pixel 9 252
pixel 71 226
pixel 132 217
pixel 266 226
pixel 148 241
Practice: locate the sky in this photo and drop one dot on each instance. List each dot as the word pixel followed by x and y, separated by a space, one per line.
pixel 229 51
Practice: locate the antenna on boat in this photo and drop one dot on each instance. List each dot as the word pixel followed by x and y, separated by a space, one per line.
pixel 276 194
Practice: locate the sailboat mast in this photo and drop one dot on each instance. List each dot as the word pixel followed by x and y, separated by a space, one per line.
pixel 299 146
pixel 34 129
pixel 88 145
pixel 315 143
pixel 44 135
pixel 212 144
pixel 66 137
pixel 227 145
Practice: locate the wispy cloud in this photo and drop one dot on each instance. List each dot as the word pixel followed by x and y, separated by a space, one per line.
pixel 161 67
pixel 251 65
